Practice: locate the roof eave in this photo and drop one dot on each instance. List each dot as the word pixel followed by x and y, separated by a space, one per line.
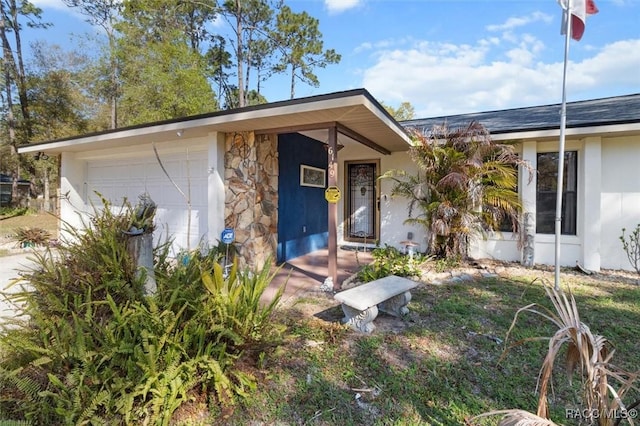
pixel 337 106
pixel 582 131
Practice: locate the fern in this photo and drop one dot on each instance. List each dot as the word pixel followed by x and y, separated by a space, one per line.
pixel 4 422
pixel 93 349
pixel 89 415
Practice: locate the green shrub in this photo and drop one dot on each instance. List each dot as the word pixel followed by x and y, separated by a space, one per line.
pixel 7 212
pixel 93 349
pixel 389 260
pixel 631 246
pixel 447 263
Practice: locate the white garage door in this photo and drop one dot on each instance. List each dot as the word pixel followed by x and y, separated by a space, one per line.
pixel 117 179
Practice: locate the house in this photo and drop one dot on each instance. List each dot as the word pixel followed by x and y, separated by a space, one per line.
pixel 601 181
pixel 260 170
pixel 293 176
pixel 6 190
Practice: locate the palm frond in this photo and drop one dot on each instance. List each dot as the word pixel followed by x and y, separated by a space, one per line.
pixel 587 353
pixel 517 418
pixel 465 185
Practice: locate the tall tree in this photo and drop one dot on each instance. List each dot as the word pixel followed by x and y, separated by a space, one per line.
pixel 163 77
pixel 28 10
pixel 250 21
pixel 405 111
pixel 59 100
pixel 466 184
pixel 219 61
pixel 18 128
pixel 8 67
pixel 105 14
pixel 195 15
pixel 301 46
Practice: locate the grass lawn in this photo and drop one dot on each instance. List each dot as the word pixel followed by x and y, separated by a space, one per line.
pixel 439 366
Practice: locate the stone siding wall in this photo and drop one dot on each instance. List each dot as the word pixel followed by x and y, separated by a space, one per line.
pixel 251 198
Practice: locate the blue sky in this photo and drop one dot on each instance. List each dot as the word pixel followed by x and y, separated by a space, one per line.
pixel 453 56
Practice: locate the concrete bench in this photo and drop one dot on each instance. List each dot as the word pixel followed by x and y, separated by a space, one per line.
pixel 361 304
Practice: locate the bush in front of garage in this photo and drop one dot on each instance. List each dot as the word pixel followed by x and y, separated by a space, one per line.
pixel 91 347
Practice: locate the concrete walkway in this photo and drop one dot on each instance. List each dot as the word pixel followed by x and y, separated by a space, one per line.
pixel 10 267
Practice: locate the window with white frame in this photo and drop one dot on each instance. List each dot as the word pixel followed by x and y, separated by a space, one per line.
pixel 546 192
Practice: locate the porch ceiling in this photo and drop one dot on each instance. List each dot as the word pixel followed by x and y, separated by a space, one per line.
pixel 356 111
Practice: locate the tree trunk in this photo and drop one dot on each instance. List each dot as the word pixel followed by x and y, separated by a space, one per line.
pixel 47 195
pixel 9 66
pixel 293 81
pixel 114 79
pixel 20 73
pixel 239 55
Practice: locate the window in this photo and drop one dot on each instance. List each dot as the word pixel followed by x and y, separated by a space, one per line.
pixel 506 225
pixel 546 192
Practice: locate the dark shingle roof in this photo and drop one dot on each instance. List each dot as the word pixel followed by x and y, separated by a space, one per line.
pixel 613 110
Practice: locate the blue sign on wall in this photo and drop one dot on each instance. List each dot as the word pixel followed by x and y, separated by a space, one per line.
pixel 228 235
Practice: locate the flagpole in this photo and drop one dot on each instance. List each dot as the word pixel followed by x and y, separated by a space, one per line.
pixel 563 125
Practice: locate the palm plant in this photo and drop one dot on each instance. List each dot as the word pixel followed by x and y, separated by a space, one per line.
pixel 588 352
pixel 603 384
pixel 466 185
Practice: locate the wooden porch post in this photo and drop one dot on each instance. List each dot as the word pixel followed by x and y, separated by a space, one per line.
pixel 333 208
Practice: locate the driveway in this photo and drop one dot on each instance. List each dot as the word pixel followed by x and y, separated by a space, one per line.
pixel 9 270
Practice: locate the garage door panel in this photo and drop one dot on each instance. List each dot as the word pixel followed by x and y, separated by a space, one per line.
pixel 116 179
pixel 110 192
pixel 199 193
pixel 173 168
pixel 135 172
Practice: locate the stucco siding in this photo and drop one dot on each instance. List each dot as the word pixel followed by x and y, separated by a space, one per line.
pixel 72 185
pixel 503 247
pixel 620 197
pixel 395 209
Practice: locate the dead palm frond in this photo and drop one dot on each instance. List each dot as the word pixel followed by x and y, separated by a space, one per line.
pixel 588 353
pixel 516 418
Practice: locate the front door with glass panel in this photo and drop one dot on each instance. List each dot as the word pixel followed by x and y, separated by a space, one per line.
pixel 361 203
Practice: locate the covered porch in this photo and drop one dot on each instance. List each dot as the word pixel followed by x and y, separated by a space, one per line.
pixel 305 274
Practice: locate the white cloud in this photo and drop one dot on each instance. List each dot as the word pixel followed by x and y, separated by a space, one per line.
pixel 382 44
pixel 616 64
pixel 338 6
pixel 441 79
pixel 53 4
pixel 516 22
pixel 363 47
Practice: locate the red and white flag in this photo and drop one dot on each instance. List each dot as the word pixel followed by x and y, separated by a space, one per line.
pixel 579 11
